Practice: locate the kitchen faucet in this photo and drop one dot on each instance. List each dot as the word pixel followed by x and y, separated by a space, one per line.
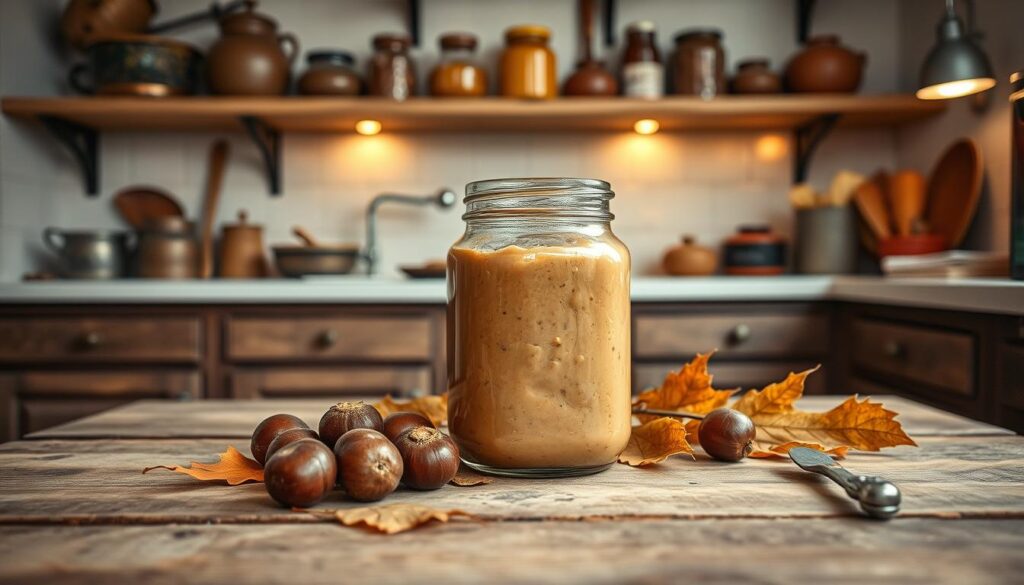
pixel 443 198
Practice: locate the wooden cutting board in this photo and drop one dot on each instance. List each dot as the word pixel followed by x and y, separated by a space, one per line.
pixel 954 188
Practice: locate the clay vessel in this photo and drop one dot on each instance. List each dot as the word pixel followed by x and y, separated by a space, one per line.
pixel 249 58
pixel 825 66
pixel 241 249
pixel 753 76
pixel 591 79
pixel 84 21
pixel 689 259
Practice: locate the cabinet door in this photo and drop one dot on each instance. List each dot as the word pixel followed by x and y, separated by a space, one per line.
pixel 92 340
pixel 1010 395
pixel 339 382
pixel 34 400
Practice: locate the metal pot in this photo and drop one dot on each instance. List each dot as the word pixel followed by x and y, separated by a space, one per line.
pixel 95 254
pixel 128 64
pixel 167 249
pixel 314 258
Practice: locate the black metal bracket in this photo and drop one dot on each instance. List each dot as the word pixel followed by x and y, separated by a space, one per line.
pixel 414 21
pixel 608 22
pixel 84 144
pixel 268 141
pixel 804 12
pixel 807 139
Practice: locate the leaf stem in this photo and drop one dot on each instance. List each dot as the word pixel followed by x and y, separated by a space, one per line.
pixel 673 413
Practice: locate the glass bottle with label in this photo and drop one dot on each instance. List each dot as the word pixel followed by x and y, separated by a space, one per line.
pixel 643 74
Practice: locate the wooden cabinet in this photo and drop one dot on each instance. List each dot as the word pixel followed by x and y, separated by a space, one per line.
pixel 332 382
pixel 1009 410
pixel 138 338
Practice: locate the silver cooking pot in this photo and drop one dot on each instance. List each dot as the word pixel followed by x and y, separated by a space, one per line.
pixel 88 254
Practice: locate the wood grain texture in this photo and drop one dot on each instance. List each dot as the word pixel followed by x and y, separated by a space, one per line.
pixel 708 551
pixel 331 382
pixel 92 340
pixel 311 114
pixel 101 481
pixel 236 419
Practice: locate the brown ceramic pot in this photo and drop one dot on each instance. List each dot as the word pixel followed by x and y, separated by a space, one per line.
pixel 84 21
pixel 753 76
pixel 241 249
pixel 249 58
pixel 591 79
pixel 329 73
pixel 825 66
pixel 690 259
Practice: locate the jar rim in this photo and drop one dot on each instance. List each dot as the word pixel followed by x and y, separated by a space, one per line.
pixel 538 197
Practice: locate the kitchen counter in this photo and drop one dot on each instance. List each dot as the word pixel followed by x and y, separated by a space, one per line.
pixel 980 295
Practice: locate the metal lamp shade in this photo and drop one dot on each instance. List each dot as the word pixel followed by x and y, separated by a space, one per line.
pixel 956 66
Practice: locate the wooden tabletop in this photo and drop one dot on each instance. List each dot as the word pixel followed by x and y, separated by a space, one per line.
pixel 74 507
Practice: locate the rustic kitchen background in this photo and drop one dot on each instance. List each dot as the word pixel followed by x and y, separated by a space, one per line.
pixel 703 183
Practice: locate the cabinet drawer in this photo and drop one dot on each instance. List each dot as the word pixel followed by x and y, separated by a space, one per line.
pixel 1011 370
pixel 917 354
pixel 733 334
pixel 298 338
pixel 116 339
pixel 745 375
pixel 34 400
pixel 331 382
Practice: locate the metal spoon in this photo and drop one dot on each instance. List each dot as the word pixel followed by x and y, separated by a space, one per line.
pixel 878 498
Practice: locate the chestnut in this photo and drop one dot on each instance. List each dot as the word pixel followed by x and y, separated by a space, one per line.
pixel 300 474
pixel 726 434
pixel 399 422
pixel 369 465
pixel 345 416
pixel 268 430
pixel 288 437
pixel 430 458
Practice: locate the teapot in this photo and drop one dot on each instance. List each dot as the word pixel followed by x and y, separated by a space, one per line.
pixel 250 57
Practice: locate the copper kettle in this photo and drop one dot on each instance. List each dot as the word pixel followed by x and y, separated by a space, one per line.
pixel 250 57
pixel 241 249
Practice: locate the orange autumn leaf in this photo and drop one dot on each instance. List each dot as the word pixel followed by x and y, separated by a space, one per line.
pixel 767 451
pixel 688 390
pixel 856 424
pixel 467 478
pixel 394 518
pixel 232 467
pixel 434 407
pixel 655 441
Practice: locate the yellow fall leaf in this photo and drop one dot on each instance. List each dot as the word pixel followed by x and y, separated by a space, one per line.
pixel 655 441
pixel 394 518
pixel 231 466
pixel 688 390
pixel 434 407
pixel 768 451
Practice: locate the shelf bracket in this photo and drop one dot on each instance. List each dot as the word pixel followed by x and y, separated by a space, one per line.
pixel 804 12
pixel 84 144
pixel 807 139
pixel 268 141
pixel 608 22
pixel 414 21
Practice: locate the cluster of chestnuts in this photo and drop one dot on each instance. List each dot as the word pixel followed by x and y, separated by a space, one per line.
pixel 356 449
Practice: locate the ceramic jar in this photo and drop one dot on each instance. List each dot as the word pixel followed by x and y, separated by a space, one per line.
pixel 690 259
pixel 528 66
pixel 755 250
pixel 825 66
pixel 753 76
pixel 458 74
pixel 329 73
pixel 699 63
pixel 241 249
pixel 392 72
pixel 250 56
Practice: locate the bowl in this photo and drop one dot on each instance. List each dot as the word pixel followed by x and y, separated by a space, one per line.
pixel 911 245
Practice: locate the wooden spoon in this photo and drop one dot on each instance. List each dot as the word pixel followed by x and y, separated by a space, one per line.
pixel 869 198
pixel 214 179
pixel 954 188
pixel 304 235
pixel 138 205
pixel 906 199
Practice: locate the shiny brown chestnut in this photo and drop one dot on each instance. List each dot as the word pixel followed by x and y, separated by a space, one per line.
pixel 300 474
pixel 268 430
pixel 726 434
pixel 369 465
pixel 430 458
pixel 345 416
pixel 399 422
pixel 288 437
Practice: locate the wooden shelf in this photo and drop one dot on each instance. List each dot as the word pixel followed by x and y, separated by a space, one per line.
pixel 309 114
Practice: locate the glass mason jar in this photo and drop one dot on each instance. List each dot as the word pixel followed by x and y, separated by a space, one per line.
pixel 528 67
pixel 538 329
pixel 392 73
pixel 458 74
pixel 700 63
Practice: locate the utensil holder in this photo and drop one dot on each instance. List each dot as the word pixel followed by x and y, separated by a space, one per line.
pixel 826 240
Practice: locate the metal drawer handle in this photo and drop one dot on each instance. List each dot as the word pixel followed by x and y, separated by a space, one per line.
pixel 327 338
pixel 90 340
pixel 739 334
pixel 894 349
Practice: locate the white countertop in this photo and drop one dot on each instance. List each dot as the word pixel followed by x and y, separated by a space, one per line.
pixel 980 295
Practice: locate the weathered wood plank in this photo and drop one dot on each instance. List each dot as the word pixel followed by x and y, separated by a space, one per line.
pixel 236 419
pixel 702 551
pixel 100 481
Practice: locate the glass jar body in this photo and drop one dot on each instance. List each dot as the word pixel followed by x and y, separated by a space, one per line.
pixel 392 73
pixel 528 69
pixel 458 75
pixel 539 337
pixel 700 64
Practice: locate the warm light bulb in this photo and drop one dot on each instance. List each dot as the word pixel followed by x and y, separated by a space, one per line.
pixel 646 127
pixel 955 89
pixel 368 127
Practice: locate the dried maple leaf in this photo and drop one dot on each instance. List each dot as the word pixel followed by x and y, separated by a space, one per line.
pixel 655 441
pixel 688 390
pixel 434 407
pixel 862 425
pixel 467 478
pixel 232 467
pixel 394 518
pixel 767 451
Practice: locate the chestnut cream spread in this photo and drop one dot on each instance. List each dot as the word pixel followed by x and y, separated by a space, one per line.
pixel 539 372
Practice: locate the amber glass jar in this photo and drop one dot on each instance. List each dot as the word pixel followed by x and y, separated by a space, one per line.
pixel 643 75
pixel 538 329
pixel 458 74
pixel 329 73
pixel 528 68
pixel 392 72
pixel 700 63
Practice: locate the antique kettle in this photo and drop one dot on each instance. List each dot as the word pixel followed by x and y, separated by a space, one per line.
pixel 250 57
